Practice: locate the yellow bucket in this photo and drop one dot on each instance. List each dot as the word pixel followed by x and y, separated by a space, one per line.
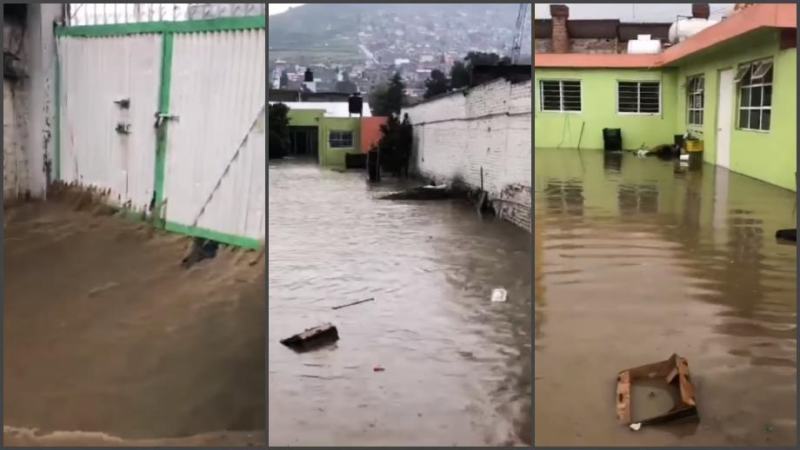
pixel 694 145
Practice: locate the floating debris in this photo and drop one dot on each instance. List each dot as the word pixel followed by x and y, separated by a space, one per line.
pixel 673 373
pixel 353 303
pixel 429 192
pixel 312 338
pixel 499 295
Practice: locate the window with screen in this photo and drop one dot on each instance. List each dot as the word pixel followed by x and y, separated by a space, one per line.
pixel 755 95
pixel 695 100
pixel 639 97
pixel 560 95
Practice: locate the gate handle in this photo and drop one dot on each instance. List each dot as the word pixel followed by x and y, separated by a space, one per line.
pixel 161 118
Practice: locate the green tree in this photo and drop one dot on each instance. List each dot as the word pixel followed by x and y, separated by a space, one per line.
pixel 459 75
pixel 436 84
pixel 278 130
pixel 482 59
pixel 389 146
pixel 395 145
pixel 388 99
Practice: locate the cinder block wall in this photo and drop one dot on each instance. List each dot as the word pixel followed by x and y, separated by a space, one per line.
pixel 483 137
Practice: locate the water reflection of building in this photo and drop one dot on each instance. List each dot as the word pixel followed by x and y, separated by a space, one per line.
pixel 565 197
pixel 638 198
pixel 725 245
pixel 538 274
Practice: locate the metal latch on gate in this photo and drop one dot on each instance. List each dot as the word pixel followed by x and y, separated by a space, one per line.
pixel 161 118
pixel 123 128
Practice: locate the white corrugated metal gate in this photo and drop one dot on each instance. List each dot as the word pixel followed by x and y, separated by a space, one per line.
pixel 169 118
pixel 217 125
pixel 97 76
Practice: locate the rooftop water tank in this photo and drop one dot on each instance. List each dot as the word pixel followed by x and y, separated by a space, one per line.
pixel 644 45
pixel 684 28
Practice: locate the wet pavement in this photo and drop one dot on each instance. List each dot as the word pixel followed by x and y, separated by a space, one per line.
pixel 108 341
pixel 457 367
pixel 635 262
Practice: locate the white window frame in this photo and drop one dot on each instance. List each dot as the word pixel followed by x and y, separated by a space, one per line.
pixel 690 95
pixel 752 66
pixel 343 147
pixel 639 96
pixel 560 96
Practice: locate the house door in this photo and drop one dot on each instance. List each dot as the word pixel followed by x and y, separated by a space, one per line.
pixel 725 118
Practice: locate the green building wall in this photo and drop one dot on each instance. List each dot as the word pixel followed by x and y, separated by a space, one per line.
pixel 768 156
pixel 335 157
pixel 328 157
pixel 599 110
pixel 765 155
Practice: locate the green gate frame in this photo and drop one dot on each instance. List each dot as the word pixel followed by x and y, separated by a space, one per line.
pixel 167 30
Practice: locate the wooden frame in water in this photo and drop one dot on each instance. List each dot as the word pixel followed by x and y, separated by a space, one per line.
pixel 672 375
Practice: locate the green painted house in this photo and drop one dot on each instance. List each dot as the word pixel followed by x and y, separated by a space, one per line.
pixel 733 86
pixel 325 131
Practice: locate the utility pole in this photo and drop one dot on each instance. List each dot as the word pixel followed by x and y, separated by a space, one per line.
pixel 519 31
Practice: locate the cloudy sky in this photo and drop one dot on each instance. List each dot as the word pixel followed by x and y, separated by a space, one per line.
pixel 277 8
pixel 629 12
pixel 632 12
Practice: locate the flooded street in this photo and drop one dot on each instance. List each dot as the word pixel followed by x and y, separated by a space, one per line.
pixel 109 341
pixel 457 367
pixel 635 262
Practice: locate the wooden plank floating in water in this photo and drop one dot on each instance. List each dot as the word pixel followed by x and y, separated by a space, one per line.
pixel 312 338
pixel 353 303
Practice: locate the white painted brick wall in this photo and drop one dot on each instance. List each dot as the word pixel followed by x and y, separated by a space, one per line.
pixel 487 128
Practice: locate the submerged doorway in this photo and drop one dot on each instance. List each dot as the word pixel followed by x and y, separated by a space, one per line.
pixel 304 142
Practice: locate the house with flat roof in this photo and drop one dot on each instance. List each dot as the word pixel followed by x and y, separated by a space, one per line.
pixel 732 86
pixel 328 132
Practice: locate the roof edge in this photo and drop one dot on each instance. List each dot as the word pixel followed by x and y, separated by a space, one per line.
pixel 755 17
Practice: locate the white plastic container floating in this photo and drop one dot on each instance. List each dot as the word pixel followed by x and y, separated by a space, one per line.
pixel 499 295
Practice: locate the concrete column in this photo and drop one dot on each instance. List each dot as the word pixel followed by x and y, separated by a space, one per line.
pixel 41 50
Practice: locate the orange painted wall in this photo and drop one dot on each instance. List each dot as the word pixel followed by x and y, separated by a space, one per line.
pixel 370 131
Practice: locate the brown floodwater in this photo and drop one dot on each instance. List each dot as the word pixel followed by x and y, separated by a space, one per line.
pixel 634 262
pixel 108 341
pixel 457 368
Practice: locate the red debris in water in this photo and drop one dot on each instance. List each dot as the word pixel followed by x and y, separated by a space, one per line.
pixel 378 369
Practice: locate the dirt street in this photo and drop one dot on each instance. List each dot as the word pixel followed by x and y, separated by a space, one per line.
pixel 108 341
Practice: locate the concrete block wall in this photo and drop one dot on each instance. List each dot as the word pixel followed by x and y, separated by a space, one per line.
pixel 482 137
